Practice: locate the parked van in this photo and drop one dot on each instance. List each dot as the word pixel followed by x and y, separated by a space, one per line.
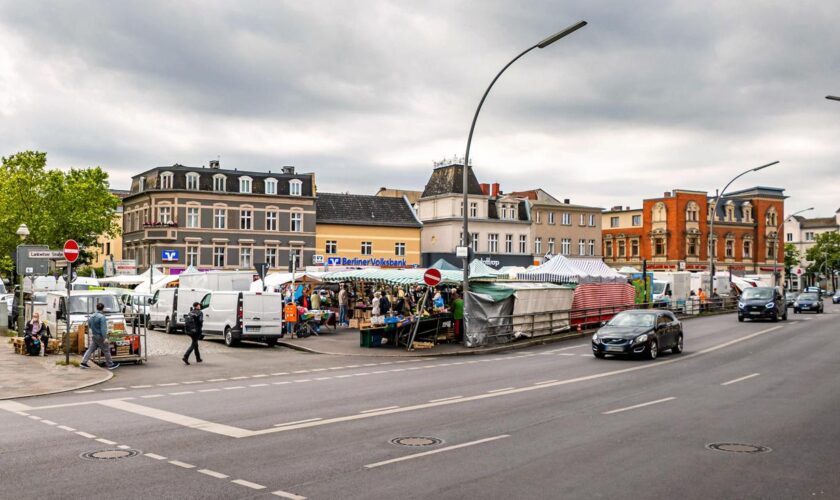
pixel 81 306
pixel 162 307
pixel 239 316
pixel 239 281
pixel 671 289
pixel 186 298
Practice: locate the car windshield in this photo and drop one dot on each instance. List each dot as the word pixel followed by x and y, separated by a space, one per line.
pixel 633 319
pixel 808 296
pixel 658 287
pixel 39 297
pixel 86 304
pixel 758 293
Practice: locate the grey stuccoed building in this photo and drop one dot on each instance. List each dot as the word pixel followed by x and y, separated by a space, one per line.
pixel 212 218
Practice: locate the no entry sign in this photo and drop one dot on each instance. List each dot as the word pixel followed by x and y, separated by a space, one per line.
pixel 71 251
pixel 431 277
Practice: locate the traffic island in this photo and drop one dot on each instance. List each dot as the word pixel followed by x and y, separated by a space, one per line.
pixel 25 376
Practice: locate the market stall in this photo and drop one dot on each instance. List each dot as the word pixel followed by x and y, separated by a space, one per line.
pixel 126 346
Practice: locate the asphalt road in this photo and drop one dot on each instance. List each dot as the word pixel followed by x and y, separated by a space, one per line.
pixel 547 422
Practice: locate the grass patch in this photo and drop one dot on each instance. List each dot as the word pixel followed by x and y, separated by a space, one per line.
pixel 74 362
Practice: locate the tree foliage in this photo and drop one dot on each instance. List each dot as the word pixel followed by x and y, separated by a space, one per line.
pixel 792 256
pixel 825 254
pixel 56 205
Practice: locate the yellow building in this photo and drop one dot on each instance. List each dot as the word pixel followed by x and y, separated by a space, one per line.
pixel 107 247
pixel 366 231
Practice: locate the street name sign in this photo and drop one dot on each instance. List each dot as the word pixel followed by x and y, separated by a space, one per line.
pixel 46 254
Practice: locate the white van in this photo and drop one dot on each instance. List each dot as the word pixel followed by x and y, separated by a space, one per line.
pixel 186 298
pixel 239 316
pixel 162 307
pixel 81 306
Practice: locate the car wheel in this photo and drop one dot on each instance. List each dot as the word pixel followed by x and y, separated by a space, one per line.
pixel 599 355
pixel 229 340
pixel 167 327
pixel 678 347
pixel 271 342
pixel 653 350
pixel 740 318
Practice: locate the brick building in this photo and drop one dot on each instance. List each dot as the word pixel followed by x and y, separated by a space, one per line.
pixel 672 232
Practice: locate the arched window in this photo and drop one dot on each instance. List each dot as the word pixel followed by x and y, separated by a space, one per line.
pixel 746 208
pixel 271 186
pixel 295 187
pixel 659 213
pixel 692 212
pixel 219 183
pixel 730 211
pixel 245 183
pixel 771 217
pixel 192 181
pixel 166 180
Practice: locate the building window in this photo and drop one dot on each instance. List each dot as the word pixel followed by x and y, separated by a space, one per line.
pixel 566 246
pixel 271 186
pixel 692 212
pixel 474 241
pixel 622 249
pixel 551 246
pixel 296 257
pixel 551 217
pixel 296 222
pixel 770 218
pixel 218 256
pixel 809 236
pixel 245 257
pixel 503 212
pixel 747 209
pixel 295 187
pixel 538 217
pixel 367 248
pixel 473 209
pixel 592 220
pixel 634 248
pixel 592 247
pixel 271 257
pixel 729 249
pixel 219 183
pixel 331 247
pixel 192 255
pixel 747 249
pixel 493 243
pixel 271 220
pixel 508 243
pixel 771 250
pixel 567 219
pixel 789 237
pixel 582 219
pixel 523 244
pixel 219 218
pixel 659 246
pixel 613 221
pixel 245 216
pixel 164 215
pixel 142 186
pixel 659 213
pixel 608 249
pixel 462 209
pixel 245 184
pixel 399 249
pixel 192 217
pixel 166 180
pixel 582 247
pixel 192 181
pixel 537 246
pixel 637 220
pixel 691 248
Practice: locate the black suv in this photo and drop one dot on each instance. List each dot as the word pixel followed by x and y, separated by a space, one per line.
pixel 762 302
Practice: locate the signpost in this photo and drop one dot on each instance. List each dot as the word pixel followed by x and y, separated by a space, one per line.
pixel 262 270
pixel 71 255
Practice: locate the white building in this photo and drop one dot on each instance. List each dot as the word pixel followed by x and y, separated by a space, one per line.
pixel 802 233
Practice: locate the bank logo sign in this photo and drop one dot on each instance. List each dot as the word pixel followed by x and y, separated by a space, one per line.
pixel 170 255
pixel 344 261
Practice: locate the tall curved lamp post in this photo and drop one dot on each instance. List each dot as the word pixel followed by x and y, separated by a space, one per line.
pixel 466 240
pixel 712 244
pixel 23 232
pixel 779 228
pixel 832 98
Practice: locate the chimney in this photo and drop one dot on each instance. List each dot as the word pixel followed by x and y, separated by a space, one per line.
pixel 214 164
pixel 566 201
pixel 485 188
pixel 667 194
pixel 495 191
pixel 616 208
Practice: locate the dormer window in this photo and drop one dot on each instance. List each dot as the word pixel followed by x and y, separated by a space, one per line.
pixel 730 211
pixel 219 182
pixel 142 186
pixel 271 186
pixel 192 181
pixel 295 187
pixel 245 183
pixel 746 207
pixel 166 180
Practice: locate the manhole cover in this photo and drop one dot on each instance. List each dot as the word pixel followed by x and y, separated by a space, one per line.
pixel 416 441
pixel 738 447
pixel 109 454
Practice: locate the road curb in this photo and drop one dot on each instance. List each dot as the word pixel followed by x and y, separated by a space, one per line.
pixel 108 375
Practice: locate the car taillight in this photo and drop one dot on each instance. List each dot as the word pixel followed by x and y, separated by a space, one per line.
pixel 240 311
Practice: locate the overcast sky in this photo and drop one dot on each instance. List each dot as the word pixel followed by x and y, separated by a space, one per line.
pixel 652 95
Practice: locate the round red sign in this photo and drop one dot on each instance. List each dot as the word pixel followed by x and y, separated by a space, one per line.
pixel 71 251
pixel 431 277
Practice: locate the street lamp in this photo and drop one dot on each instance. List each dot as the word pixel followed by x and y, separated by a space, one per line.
pixel 23 233
pixel 466 239
pixel 832 98
pixel 712 224
pixel 779 228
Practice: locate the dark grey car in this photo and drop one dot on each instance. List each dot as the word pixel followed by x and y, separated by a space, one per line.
pixel 644 332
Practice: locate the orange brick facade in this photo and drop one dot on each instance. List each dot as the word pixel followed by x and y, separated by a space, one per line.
pixel 674 232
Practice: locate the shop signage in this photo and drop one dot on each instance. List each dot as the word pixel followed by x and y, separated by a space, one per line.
pixel 127 267
pixel 344 261
pixel 317 259
pixel 169 255
pixel 461 252
pixel 490 262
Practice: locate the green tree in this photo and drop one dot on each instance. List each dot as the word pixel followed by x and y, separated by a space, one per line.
pixel 792 257
pixel 825 254
pixel 55 205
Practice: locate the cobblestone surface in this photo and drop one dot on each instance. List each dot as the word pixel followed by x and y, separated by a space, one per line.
pixel 162 344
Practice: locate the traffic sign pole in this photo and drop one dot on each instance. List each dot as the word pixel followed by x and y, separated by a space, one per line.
pixel 67 315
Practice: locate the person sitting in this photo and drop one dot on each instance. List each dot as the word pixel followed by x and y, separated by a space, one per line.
pixel 36 333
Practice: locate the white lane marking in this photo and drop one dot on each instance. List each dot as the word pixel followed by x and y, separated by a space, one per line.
pixel 248 484
pixel 34 417
pixel 277 374
pixel 379 409
pixel 301 371
pixel 106 441
pixel 303 380
pixel 439 450
pixel 584 355
pixel 182 464
pixel 366 364
pixel 85 435
pixel 193 382
pixel 48 422
pixel 322 378
pixel 234 387
pixel 114 389
pixel 124 447
pixel 343 376
pixel 566 354
pixel 380 371
pixel 280 383
pixel 640 405
pixel 322 369
pixel 741 378
pixel 445 399
pixel 150 396
pixel 168 384
pixel 213 473
pixel 386 363
pixel 398 370
pixel 181 393
pixel 351 366
pixel 175 418
pixel 299 421
pixel 596 376
pixel 286 494
pixel 258 385
pixel 156 457
pixel 217 380
pixel 141 386
pixel 259 375
pixel 336 368
pixel 209 390
pixel 65 428
pixel 546 382
pixel 500 390
pixel 241 377
pixel 368 373
pixel 84 391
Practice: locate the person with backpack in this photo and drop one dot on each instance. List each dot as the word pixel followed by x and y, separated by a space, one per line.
pixel 193 325
pixel 98 326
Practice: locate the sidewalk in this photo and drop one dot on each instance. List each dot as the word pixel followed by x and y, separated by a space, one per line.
pixel 24 376
pixel 345 342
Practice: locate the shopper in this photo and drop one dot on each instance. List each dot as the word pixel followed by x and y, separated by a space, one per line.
pixel 458 316
pixel 315 300
pixel 702 296
pixel 98 326
pixel 193 326
pixel 375 311
pixel 36 333
pixel 342 306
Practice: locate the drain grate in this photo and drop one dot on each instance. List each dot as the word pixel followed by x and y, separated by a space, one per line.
pixel 416 441
pixel 739 448
pixel 109 454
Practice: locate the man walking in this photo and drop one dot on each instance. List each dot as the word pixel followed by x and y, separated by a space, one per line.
pixel 342 307
pixel 98 326
pixel 193 325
